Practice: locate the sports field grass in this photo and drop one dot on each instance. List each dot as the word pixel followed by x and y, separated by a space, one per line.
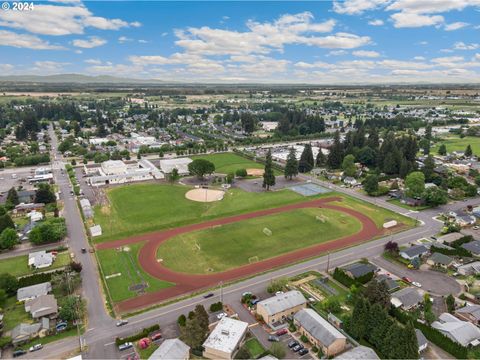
pixel 228 162
pixel 18 265
pixel 113 261
pixel 229 246
pixel 455 143
pixel 142 208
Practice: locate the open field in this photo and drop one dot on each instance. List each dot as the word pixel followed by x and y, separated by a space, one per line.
pixel 141 208
pixel 18 266
pixel 221 248
pixel 228 162
pixel 455 143
pixel 126 263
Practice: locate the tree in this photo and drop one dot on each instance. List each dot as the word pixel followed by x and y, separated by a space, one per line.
pixel 182 320
pixel 3 297
pixel 173 176
pixel 468 151
pixel 51 230
pixel 306 162
pixel 268 175
pixel 335 156
pixel 428 167
pixel 72 308
pixel 276 285
pixel 76 266
pixel 8 239
pixel 45 194
pixel 291 167
pixel 12 196
pixel 358 325
pixel 415 184
pixel 409 342
pixel 278 350
pixel 392 247
pixel 377 293
pixel 6 222
pixel 442 150
pixel 241 173
pixel 202 317
pixel 348 165
pixel 435 196
pixel 370 184
pixel 201 167
pixel 321 159
pixel 450 302
pixel 242 353
pixel 9 283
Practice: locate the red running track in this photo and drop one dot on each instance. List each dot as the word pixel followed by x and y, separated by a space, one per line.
pixel 188 283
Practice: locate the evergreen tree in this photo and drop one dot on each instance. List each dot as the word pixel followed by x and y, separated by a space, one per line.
pixel 358 322
pixel 370 184
pixel 373 139
pixel 268 175
pixel 44 194
pixel 442 150
pixel 321 159
pixel 468 151
pixel 409 342
pixel 202 317
pixel 6 222
pixel 450 301
pixel 291 167
pixel 12 196
pixel 428 167
pixel 377 293
pixel 428 132
pixel 393 350
pixel 306 162
pixel 348 165
pixel 335 157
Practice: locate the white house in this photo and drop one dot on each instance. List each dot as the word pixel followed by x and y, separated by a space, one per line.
pixel 225 339
pixel 40 259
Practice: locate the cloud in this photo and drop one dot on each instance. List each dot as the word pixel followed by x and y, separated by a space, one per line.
pixel 420 58
pixel 412 20
pixel 477 56
pixel 124 39
pixel 6 68
pixel 93 61
pixel 141 41
pixel 48 67
pixel 9 38
pixel 455 26
pixel 356 7
pixel 366 53
pixel 336 53
pixel 91 42
pixel 460 45
pixel 49 19
pixel 376 22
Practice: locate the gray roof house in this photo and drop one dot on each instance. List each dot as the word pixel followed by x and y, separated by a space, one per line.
pixel 24 332
pixel 470 268
pixel 407 298
pixel 422 340
pixel 438 259
pixel 34 291
pixel 174 349
pixel 359 352
pixel 469 313
pixel 462 332
pixel 413 252
pixel 40 259
pixel 391 284
pixel 449 238
pixel 281 302
pixel 44 305
pixel 473 247
pixel 358 269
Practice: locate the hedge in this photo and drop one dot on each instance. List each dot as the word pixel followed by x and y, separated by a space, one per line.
pixel 433 335
pixel 459 251
pixel 37 278
pixel 143 334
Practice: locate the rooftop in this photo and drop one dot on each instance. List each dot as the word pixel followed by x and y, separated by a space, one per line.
pixel 282 302
pixel 226 335
pixel 318 327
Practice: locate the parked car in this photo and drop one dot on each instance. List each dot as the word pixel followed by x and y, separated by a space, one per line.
pixel 35 347
pixel 61 326
pixel 297 348
pixel 84 251
pixel 221 315
pixel 292 344
pixel 18 353
pixel 417 284
pixel 303 351
pixel 122 322
pixel 273 338
pixel 156 336
pixel 281 332
pixel 208 296
pixel 407 279
pixel 127 345
pixel 255 301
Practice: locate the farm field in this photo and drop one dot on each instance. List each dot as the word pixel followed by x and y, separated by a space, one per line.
pixel 229 246
pixel 141 208
pixel 458 144
pixel 126 264
pixel 18 266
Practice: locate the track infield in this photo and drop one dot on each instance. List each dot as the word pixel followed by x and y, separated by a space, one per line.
pixel 187 283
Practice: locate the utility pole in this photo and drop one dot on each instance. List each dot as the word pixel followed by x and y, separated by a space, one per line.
pixel 328 261
pixel 221 291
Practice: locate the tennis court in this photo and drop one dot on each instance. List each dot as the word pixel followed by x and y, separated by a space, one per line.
pixel 310 189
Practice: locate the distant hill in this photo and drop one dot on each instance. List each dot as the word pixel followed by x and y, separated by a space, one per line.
pixel 75 78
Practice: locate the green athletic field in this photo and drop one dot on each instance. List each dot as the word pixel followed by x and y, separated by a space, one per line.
pixel 142 208
pixel 233 245
pixel 113 262
pixel 229 162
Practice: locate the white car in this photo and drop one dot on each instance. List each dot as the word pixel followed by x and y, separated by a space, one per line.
pixel 120 322
pixel 417 284
pixel 221 315
pixel 125 346
pixel 35 347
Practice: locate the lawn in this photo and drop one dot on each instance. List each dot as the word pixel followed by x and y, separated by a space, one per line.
pixel 455 143
pixel 14 314
pixel 408 207
pixel 146 353
pixel 229 246
pixel 255 349
pixel 228 162
pixel 126 263
pixel 18 266
pixel 143 208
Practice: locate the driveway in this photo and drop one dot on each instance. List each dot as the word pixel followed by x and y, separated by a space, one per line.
pixel 432 281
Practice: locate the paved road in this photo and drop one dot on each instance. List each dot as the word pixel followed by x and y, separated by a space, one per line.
pixel 101 331
pixel 26 248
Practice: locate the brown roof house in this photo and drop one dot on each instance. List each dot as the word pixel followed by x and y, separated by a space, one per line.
pixel 22 333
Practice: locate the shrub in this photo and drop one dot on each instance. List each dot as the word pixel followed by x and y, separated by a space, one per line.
pixel 241 172
pixel 304 339
pixel 144 333
pixel 182 320
pixel 216 306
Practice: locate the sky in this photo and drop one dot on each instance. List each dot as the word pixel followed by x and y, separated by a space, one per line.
pixel 320 42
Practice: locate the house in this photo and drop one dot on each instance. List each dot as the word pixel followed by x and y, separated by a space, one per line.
pixel 42 306
pixel 413 252
pixel 357 270
pixel 462 332
pixel 440 260
pixel 473 247
pixel 23 209
pixel 225 339
pixel 407 298
pixel 360 352
pixel 22 333
pixel 34 291
pixel 350 181
pixel 40 259
pixel 465 220
pixel 181 164
pixel 469 269
pixel 469 313
pixel 174 349
pixel 449 238
pixel 277 308
pixel 421 340
pixel 26 196
pixel 320 332
pixel 392 285
pixel 35 216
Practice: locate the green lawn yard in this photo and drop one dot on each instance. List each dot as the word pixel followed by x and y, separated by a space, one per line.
pixel 18 266
pixel 229 246
pixel 143 208
pixel 455 143
pixel 126 264
pixel 228 162
pixel 255 349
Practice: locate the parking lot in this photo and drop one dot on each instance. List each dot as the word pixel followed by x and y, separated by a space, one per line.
pixel 14 178
pixel 286 339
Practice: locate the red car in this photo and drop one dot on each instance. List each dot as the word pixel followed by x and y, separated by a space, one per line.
pixel 281 332
pixel 156 336
pixel 406 279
